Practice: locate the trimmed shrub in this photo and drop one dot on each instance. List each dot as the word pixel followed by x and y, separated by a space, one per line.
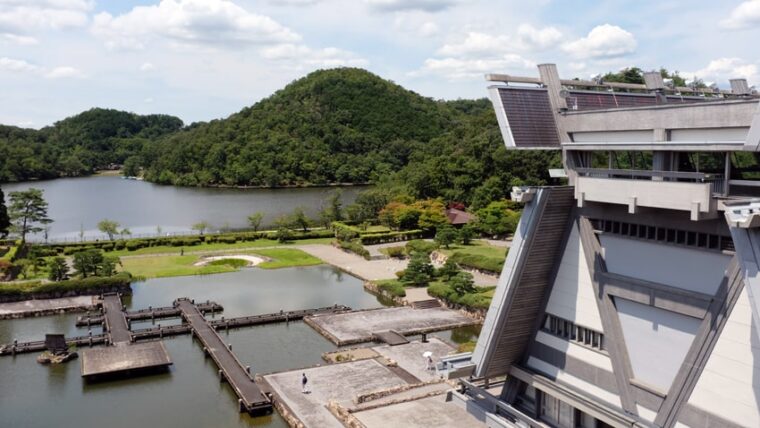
pixel 396 252
pixel 488 264
pixel 391 286
pixel 382 238
pixel 355 247
pixel 91 284
pixel 419 246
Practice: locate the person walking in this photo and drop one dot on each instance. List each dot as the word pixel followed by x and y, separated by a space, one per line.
pixel 304 386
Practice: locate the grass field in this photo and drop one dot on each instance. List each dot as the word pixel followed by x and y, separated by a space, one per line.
pixel 166 265
pixel 477 248
pixel 286 257
pixel 167 249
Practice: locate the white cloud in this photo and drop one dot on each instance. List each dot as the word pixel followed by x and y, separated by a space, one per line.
pixel 17 65
pixel 418 24
pixel 293 2
pixel 147 67
pixel 21 66
pixel 722 69
pixel 397 5
pixel 301 55
pixel 533 38
pixel 746 15
pixel 22 16
pixel 476 43
pixel 462 68
pixel 64 72
pixel 603 41
pixel 148 100
pixel 207 22
pixel 19 40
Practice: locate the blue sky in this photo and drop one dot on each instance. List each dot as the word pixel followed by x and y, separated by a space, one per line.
pixel 206 59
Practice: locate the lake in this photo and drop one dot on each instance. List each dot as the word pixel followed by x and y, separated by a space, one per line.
pixel 190 393
pixel 80 203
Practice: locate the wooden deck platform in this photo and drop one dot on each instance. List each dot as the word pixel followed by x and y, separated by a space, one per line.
pixel 251 398
pixel 391 337
pixel 149 314
pixel 124 357
pixel 115 325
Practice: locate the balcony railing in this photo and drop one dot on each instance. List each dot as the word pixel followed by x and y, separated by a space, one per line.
pixel 717 181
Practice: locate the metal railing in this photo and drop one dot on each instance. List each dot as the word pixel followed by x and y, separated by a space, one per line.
pixel 717 181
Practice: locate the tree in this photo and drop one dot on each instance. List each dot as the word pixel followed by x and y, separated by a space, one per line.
pixel 466 233
pixel 448 270
pixel 86 262
pixel 445 236
pixel 335 206
pixel 131 167
pixel 462 283
pixel 432 214
pixel 201 226
pixel 5 221
pixel 124 232
pixel 299 219
pixel 59 270
pixel 284 232
pixel 255 219
pixel 497 219
pixel 28 212
pixel 94 263
pixel 109 227
pixel 419 271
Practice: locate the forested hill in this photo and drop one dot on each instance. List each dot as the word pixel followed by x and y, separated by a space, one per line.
pixel 80 144
pixel 332 126
pixel 340 125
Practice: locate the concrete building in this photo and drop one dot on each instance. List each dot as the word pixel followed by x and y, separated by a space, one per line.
pixel 629 296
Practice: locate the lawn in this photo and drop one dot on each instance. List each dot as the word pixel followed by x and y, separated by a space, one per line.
pixel 477 248
pixel 285 257
pixel 216 246
pixel 164 266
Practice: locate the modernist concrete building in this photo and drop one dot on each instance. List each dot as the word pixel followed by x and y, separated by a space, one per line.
pixel 629 296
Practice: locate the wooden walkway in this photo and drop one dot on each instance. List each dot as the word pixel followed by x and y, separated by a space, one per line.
pixel 115 325
pixel 149 314
pixel 159 331
pixel 251 398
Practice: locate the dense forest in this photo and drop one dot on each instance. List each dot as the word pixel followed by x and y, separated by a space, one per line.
pixel 79 145
pixel 333 126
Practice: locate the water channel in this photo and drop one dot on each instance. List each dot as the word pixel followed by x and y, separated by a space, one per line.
pixel 190 395
pixel 80 203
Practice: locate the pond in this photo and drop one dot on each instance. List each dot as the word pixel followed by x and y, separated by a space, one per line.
pixel 190 393
pixel 77 204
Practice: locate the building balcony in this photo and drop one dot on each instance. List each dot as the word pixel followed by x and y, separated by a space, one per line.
pixel 683 191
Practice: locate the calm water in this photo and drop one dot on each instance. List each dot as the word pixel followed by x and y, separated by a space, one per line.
pixel 77 203
pixel 190 395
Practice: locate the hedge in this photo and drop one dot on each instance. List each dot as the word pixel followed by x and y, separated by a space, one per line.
pixel 476 300
pixel 419 246
pixel 382 238
pixel 91 284
pixel 184 241
pixel 392 286
pixel 355 247
pixel 488 264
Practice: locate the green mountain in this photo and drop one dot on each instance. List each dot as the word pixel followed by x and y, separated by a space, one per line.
pixel 80 144
pixel 342 125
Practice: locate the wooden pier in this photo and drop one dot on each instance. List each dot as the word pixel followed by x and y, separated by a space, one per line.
pixel 115 325
pixel 159 331
pixel 251 398
pixel 149 314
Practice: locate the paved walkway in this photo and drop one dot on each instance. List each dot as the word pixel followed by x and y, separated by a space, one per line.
pixel 355 265
pixel 14 309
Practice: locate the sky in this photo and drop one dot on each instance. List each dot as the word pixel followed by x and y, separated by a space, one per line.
pixel 206 59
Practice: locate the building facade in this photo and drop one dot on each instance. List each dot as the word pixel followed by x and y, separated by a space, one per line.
pixel 629 296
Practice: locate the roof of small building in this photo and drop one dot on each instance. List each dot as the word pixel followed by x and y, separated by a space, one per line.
pixel 457 216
